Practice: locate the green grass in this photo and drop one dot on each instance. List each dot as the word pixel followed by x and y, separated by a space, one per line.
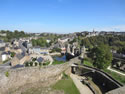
pixel 88 63
pixel 46 63
pixel 66 85
pixel 55 62
pixel 116 76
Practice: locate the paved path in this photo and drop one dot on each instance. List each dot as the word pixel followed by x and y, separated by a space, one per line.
pixel 109 68
pixel 55 53
pixel 83 89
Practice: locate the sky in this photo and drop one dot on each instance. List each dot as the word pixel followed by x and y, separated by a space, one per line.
pixel 62 16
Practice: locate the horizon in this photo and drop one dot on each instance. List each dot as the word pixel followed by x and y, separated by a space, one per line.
pixel 62 16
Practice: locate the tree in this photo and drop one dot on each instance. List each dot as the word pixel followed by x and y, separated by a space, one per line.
pixel 40 42
pixel 102 56
pixel 56 50
pixel 12 54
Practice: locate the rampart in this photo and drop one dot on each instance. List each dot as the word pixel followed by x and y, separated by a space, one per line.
pixel 13 79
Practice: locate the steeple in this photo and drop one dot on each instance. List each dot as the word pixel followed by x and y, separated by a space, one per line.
pixel 93 30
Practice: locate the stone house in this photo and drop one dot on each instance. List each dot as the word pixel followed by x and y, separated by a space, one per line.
pixel 20 59
pixel 2 44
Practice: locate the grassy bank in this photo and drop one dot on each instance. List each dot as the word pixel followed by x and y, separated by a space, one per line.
pixel 55 62
pixel 88 63
pixel 66 84
pixel 116 76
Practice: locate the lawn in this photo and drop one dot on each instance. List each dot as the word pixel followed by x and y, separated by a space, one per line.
pixel 46 63
pixel 66 84
pixel 55 62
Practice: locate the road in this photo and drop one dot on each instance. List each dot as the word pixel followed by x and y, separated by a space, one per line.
pixel 109 68
pixel 5 66
pixel 83 89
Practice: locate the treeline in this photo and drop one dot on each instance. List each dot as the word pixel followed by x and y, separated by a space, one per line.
pixel 116 42
pixel 10 35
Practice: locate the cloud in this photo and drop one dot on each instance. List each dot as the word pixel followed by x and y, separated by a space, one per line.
pixel 106 28
pixel 112 28
pixel 120 27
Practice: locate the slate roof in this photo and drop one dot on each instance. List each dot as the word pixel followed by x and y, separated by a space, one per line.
pixel 40 59
pixel 4 53
pixel 2 48
pixel 20 56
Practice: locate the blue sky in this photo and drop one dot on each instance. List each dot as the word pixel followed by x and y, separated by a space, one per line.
pixel 62 16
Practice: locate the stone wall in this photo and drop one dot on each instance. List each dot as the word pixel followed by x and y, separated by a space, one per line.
pixel 21 77
pixel 117 91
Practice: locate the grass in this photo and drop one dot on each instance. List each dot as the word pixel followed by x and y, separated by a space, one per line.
pixel 46 63
pixel 66 85
pixel 116 76
pixel 117 70
pixel 55 62
pixel 88 63
pixel 36 90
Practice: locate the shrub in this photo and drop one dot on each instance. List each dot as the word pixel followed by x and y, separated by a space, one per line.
pixel 26 64
pixel 34 59
pixel 12 54
pixel 31 63
pixel 7 74
pixel 40 64
pixel 35 63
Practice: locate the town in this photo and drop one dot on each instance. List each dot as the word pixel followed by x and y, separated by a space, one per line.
pixel 62 46
pixel 26 51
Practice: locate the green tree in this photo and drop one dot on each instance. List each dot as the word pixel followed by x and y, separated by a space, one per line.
pixel 102 56
pixel 12 54
pixel 40 42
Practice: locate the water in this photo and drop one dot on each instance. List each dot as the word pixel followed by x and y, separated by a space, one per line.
pixel 62 58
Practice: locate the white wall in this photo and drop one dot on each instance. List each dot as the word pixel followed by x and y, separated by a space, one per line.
pixel 4 57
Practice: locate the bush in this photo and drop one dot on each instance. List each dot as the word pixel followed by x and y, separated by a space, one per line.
pixel 34 59
pixel 7 74
pixel 26 64
pixel 35 63
pixel 40 64
pixel 31 63
pixel 12 54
